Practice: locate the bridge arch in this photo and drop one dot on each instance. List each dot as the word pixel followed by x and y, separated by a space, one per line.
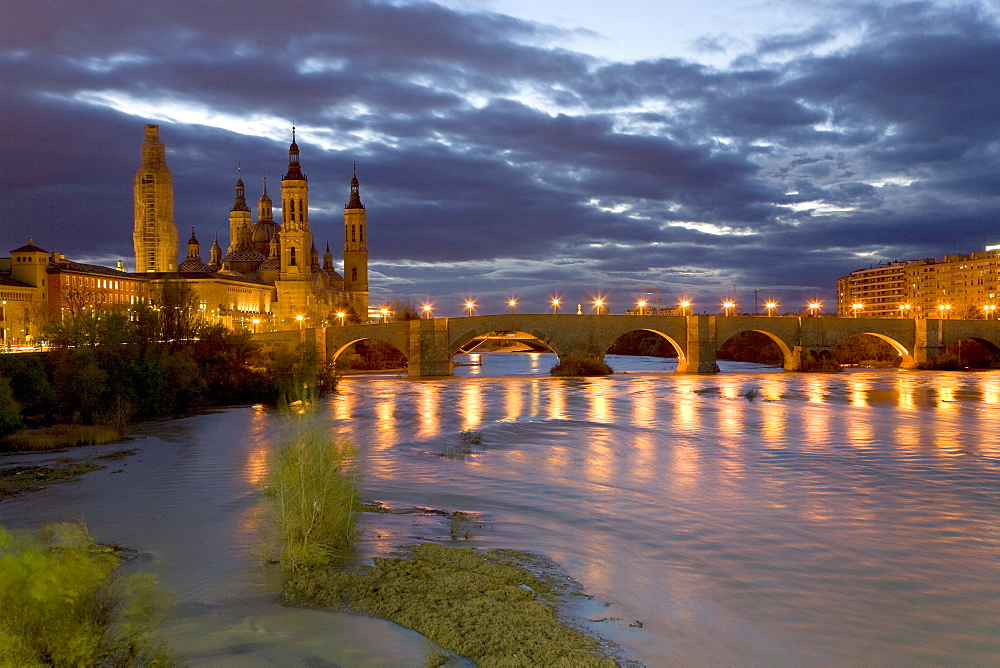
pixel 904 353
pixel 334 353
pixel 458 343
pixel 678 348
pixel 783 347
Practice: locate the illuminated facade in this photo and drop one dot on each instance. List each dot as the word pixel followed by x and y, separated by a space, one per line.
pixel 956 286
pixel 271 276
pixel 155 234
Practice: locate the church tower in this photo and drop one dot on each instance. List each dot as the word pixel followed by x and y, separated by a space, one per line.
pixel 155 234
pixel 356 251
pixel 293 285
pixel 239 215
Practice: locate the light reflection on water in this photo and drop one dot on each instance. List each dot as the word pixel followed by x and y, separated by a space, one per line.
pixel 834 519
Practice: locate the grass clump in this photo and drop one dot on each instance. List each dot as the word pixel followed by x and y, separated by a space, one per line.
pixel 65 603
pixel 751 394
pixel 581 365
pixel 20 479
pixel 60 436
pixel 313 499
pixel 492 608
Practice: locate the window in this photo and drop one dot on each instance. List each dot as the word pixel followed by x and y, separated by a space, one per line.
pixel 354 273
pixel 291 257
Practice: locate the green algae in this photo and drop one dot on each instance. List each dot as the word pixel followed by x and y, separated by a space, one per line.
pixel 498 608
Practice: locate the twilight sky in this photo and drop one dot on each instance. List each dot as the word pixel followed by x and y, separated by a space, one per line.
pixel 523 148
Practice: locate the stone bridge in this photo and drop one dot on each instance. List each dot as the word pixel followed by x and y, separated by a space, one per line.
pixel 429 344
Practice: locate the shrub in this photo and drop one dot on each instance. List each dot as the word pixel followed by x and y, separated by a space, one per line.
pixel 65 603
pixel 581 365
pixel 313 498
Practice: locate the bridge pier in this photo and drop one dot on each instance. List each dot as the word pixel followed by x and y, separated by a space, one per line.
pixel 809 358
pixel 429 353
pixel 928 342
pixel 701 346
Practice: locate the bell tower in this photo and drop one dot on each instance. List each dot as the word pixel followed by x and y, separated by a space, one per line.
pixel 239 215
pixel 356 251
pixel 294 288
pixel 155 234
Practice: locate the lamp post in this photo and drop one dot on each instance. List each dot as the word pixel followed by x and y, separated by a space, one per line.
pixel 685 306
pixel 770 306
pixel 813 308
pixel 512 303
pixel 728 307
pixel 943 310
pixel 469 305
pixel 856 307
pixel 555 306
pixel 300 318
pixel 385 314
pixel 340 316
pixel 642 305
pixel 255 321
pixel 990 309
pixel 427 311
pixel 598 305
pixel 904 310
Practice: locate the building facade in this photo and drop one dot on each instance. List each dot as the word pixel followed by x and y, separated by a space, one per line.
pixel 155 233
pixel 271 276
pixel 956 286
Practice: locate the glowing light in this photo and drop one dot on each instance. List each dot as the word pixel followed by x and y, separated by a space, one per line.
pixel 469 305
pixel 555 306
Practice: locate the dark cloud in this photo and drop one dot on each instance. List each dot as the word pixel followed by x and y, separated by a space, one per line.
pixel 493 163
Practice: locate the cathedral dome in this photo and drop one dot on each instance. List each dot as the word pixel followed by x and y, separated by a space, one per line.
pixel 263 231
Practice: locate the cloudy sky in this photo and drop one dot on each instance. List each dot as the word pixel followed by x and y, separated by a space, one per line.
pixel 524 148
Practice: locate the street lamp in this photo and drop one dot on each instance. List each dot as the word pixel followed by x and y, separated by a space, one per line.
pixel 255 321
pixel 385 314
pixel 856 308
pixel 904 310
pixel 427 311
pixel 340 316
pixel 512 303
pixel 642 304
pixel 943 310
pixel 598 305
pixel 729 306
pixel 555 306
pixel 685 306
pixel 770 306
pixel 300 318
pixel 469 305
pixel 813 308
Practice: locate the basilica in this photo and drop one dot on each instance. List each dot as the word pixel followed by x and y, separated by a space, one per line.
pixel 270 276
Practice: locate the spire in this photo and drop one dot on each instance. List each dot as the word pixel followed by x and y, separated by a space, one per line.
pixel 264 210
pixel 328 257
pixel 241 199
pixel 355 202
pixel 294 170
pixel 192 240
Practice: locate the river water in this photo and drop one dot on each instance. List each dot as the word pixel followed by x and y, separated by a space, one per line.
pixel 849 519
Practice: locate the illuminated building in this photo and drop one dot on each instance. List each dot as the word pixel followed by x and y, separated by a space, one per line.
pixel 957 286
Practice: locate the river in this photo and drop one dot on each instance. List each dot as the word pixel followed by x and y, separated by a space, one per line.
pixel 827 519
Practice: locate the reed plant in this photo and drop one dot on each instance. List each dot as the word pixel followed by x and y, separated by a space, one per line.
pixel 65 603
pixel 312 493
